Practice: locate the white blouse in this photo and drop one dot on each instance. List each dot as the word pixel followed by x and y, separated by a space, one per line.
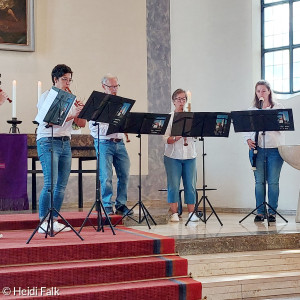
pixel 273 139
pixel 177 150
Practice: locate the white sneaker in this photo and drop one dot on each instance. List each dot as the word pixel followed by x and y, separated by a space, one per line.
pixel 174 217
pixel 56 227
pixel 60 227
pixel 43 227
pixel 194 218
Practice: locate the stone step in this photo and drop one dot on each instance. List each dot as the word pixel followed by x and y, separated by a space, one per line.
pixel 247 275
pixel 250 286
pixel 244 262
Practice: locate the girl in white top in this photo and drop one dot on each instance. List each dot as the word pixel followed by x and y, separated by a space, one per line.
pixel 180 162
pixel 267 150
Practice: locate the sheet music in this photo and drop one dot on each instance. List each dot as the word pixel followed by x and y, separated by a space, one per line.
pixel 46 106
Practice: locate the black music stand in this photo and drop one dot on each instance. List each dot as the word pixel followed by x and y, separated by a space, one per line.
pixel 202 124
pixel 143 123
pixel 56 115
pixel 112 110
pixel 263 120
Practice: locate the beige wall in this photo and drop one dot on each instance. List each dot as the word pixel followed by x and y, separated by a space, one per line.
pixel 93 37
pixel 216 54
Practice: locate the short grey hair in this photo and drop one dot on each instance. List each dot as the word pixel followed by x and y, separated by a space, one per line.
pixel 107 77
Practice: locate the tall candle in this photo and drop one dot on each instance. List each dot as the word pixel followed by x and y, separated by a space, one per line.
pixel 189 97
pixel 189 100
pixel 14 99
pixel 39 89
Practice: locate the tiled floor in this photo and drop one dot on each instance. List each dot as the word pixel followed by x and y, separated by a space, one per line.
pixel 231 226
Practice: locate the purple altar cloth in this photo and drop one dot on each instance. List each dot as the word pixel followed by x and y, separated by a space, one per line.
pixel 13 172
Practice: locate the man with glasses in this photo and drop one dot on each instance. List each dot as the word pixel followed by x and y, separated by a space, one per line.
pixel 112 153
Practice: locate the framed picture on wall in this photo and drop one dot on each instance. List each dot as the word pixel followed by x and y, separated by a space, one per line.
pixel 16 25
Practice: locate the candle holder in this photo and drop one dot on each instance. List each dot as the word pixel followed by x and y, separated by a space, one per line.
pixel 14 128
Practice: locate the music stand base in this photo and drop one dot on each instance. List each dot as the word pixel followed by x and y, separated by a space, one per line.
pixel 265 204
pixel 204 219
pixel 49 231
pixel 100 223
pixel 142 210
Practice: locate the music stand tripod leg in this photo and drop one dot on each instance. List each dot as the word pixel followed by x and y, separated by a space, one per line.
pixel 52 208
pixel 142 208
pixel 250 213
pixel 98 202
pixel 277 213
pixel 195 210
pixel 213 211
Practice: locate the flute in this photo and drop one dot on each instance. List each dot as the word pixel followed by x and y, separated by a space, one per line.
pixel 255 151
pixel 127 137
pixel 185 143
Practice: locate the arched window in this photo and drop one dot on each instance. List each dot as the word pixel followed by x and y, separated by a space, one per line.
pixel 280 31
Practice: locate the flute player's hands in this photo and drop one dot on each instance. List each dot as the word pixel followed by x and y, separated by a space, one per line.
pixel 3 97
pixel 251 144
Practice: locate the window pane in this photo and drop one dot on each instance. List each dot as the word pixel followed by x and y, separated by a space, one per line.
pixel 296 84
pixel 276 26
pixel 271 1
pixel 296 22
pixel 269 59
pixel 296 66
pixel 277 70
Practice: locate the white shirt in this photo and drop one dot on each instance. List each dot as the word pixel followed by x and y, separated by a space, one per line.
pixel 102 130
pixel 273 139
pixel 177 150
pixel 64 130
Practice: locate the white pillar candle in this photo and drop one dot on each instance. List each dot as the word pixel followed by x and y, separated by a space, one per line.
pixel 14 99
pixel 189 97
pixel 189 100
pixel 39 89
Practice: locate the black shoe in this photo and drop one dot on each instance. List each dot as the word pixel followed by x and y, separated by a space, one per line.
pixel 123 210
pixel 109 211
pixel 272 218
pixel 259 218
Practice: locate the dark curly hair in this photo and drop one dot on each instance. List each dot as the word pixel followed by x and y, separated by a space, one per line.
pixel 59 71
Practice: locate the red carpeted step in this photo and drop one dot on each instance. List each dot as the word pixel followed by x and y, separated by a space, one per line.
pixel 93 272
pixel 66 246
pixel 163 289
pixel 102 260
pixel 31 221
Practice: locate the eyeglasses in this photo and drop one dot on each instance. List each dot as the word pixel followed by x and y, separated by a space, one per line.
pixel 112 86
pixel 66 79
pixel 180 99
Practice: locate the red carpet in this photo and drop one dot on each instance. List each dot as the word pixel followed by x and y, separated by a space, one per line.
pixel 129 265
pixel 30 221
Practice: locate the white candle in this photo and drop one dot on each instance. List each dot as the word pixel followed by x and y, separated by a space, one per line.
pixel 189 97
pixel 189 103
pixel 14 99
pixel 39 89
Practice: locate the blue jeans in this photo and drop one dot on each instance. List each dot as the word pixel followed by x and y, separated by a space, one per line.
pixel 113 154
pixel 175 169
pixel 62 159
pixel 273 168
